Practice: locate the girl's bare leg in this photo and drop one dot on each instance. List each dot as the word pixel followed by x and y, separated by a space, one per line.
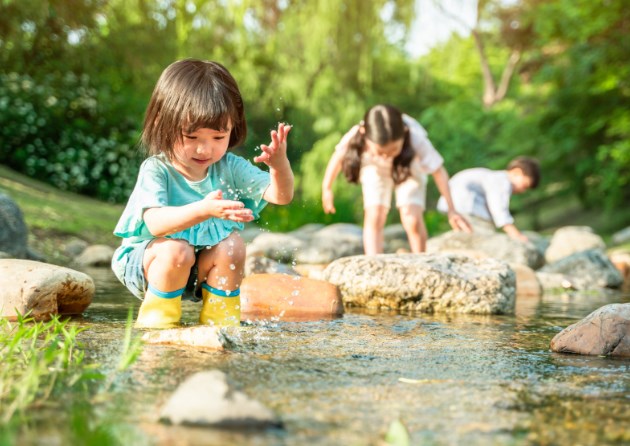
pixel 374 218
pixel 412 219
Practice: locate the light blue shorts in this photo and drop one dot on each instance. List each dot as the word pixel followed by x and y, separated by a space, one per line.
pixel 133 277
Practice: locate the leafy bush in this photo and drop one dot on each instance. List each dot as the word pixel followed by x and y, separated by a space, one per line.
pixel 56 129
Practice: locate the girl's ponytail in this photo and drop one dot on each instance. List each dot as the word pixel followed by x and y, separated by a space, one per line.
pixel 351 164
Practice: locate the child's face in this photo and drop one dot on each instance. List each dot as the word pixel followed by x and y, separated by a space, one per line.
pixel 388 150
pixel 200 149
pixel 520 181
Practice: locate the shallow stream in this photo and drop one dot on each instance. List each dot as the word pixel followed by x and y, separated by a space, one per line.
pixel 459 379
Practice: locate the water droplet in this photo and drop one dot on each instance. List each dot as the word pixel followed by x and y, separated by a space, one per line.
pixel 232 266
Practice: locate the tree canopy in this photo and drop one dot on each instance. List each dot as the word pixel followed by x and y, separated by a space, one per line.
pixel 545 78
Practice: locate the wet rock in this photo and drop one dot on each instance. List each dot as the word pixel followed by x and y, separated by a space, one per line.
pixel 622 236
pixel 570 240
pixel 207 399
pixel 590 269
pixel 95 255
pixel 13 231
pixel 606 331
pixel 496 245
pixel 74 247
pixel 527 283
pixel 395 239
pixel 306 232
pixel 330 243
pixel 201 336
pixel 425 282
pixel 42 289
pixel 311 270
pixel 257 264
pixel 276 246
pixel 289 298
pixel 557 281
pixel 621 260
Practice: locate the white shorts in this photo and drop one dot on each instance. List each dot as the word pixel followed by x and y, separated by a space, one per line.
pixel 377 183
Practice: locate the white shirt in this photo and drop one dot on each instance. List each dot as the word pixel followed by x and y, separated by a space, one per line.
pixel 483 193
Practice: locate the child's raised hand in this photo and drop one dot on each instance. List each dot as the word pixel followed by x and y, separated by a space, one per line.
pixel 227 209
pixel 275 154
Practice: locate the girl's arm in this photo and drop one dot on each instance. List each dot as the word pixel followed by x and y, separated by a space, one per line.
pixel 332 170
pixel 163 221
pixel 457 222
pixel 280 190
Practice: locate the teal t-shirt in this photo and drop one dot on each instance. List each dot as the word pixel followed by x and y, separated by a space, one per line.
pixel 160 184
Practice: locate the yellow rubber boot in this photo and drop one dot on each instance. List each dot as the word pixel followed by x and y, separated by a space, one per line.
pixel 221 308
pixel 160 309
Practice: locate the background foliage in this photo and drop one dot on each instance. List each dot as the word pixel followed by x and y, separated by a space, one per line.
pixel 75 76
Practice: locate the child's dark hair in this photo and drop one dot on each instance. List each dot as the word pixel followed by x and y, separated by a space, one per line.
pixel 530 168
pixel 192 94
pixel 383 124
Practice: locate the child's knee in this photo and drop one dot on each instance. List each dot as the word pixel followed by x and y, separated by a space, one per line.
pixel 232 249
pixel 178 253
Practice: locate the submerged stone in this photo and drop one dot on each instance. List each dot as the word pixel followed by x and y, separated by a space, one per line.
pixel 42 289
pixel 207 399
pixel 425 282
pixel 606 331
pixel 201 336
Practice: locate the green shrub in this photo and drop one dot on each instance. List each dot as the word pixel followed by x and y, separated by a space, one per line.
pixel 56 130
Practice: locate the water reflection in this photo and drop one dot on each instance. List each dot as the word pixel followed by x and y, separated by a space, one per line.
pixel 451 379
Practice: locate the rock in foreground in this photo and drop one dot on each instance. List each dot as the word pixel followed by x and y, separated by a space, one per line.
pixel 606 331
pixel 42 289
pixel 201 336
pixel 207 399
pixel 425 282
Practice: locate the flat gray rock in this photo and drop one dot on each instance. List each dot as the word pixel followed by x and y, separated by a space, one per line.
pixel 590 269
pixel 425 282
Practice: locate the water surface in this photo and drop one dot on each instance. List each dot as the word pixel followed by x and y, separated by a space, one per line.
pixel 450 379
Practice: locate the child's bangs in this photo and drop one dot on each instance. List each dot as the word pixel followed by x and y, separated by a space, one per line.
pixel 214 113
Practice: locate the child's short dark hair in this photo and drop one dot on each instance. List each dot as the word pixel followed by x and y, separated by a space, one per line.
pixel 530 168
pixel 192 94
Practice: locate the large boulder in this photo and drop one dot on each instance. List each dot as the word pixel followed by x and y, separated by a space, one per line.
pixel 42 289
pixel 207 399
pixel 13 231
pixel 496 245
pixel 590 269
pixel 604 332
pixel 289 298
pixel 425 282
pixel 571 239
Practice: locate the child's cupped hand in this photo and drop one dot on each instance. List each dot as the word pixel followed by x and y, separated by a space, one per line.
pixel 227 209
pixel 275 154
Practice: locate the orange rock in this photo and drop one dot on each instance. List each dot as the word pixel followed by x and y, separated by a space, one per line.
pixel 527 283
pixel 289 298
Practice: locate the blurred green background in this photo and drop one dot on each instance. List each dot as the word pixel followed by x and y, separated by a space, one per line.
pixel 544 78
